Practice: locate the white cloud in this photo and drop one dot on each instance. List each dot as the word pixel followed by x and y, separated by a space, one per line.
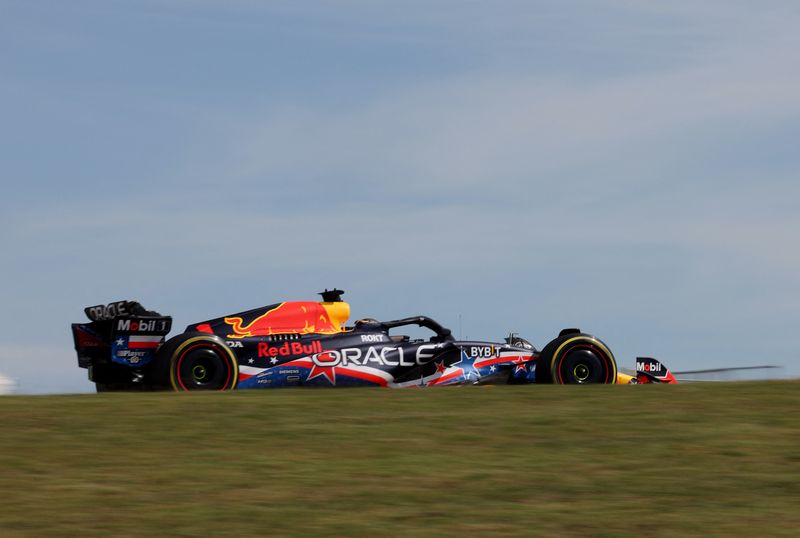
pixel 42 369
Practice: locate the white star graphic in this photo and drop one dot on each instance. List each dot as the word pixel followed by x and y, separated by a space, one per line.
pixel 120 342
pixel 492 368
pixel 251 361
pixel 273 360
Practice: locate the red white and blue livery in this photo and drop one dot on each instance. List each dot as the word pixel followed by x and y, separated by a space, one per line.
pixel 309 344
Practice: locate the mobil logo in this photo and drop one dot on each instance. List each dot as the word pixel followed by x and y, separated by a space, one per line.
pixel 142 325
pixel 651 366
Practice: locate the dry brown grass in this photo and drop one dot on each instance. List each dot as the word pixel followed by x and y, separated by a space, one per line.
pixel 703 459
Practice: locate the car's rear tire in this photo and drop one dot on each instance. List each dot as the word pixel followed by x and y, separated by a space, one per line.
pixel 576 359
pixel 198 362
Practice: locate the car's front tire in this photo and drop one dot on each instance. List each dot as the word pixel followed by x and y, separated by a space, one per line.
pixel 576 358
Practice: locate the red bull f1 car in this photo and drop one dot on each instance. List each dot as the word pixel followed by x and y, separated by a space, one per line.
pixel 309 344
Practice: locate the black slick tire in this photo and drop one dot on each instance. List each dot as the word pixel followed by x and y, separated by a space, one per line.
pixel 576 359
pixel 196 361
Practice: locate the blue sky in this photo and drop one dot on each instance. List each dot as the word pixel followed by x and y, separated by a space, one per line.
pixel 627 167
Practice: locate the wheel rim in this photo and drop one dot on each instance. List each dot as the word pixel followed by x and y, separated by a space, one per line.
pixel 583 364
pixel 199 373
pixel 581 372
pixel 202 367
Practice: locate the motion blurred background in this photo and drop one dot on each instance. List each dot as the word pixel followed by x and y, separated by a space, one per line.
pixel 628 168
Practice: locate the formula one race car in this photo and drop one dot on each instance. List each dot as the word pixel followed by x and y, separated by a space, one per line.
pixel 307 344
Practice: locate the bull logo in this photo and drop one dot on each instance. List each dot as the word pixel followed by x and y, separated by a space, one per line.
pixel 286 318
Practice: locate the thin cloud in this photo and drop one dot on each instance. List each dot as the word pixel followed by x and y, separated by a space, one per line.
pixel 460 134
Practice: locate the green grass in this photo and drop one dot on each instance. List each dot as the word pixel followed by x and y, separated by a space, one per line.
pixel 703 459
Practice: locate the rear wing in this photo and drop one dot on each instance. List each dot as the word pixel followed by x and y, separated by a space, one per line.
pixel 122 332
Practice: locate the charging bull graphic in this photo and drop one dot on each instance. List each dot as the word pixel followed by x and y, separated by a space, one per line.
pixel 297 317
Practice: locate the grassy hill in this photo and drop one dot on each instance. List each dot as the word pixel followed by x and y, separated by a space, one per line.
pixel 700 459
